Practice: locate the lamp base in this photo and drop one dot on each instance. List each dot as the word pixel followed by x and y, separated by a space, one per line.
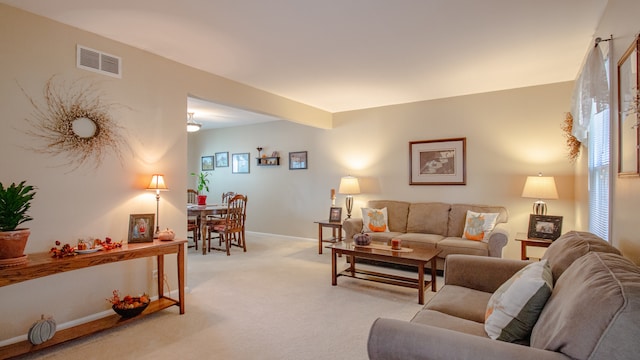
pixel 349 205
pixel 540 208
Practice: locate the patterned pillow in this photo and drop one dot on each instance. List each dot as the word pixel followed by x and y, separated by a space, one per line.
pixel 478 225
pixel 375 220
pixel 514 308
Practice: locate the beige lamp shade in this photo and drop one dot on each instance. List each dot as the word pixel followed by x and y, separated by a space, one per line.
pixel 157 183
pixel 540 187
pixel 349 185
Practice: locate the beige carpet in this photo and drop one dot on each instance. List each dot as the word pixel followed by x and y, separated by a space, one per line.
pixel 273 302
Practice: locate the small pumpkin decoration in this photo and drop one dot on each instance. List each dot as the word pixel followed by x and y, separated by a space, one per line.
pixel 42 330
pixel 166 235
pixel 362 239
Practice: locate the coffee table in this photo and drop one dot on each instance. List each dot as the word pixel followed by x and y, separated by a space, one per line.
pixel 383 253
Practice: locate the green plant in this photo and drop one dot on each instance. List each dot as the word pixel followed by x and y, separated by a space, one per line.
pixel 203 182
pixel 15 201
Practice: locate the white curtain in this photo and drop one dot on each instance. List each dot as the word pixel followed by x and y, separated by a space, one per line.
pixel 591 90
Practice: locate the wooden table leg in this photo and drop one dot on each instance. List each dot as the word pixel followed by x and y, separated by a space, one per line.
pixel 421 283
pixel 181 283
pixel 523 251
pixel 203 231
pixel 433 274
pixel 320 239
pixel 160 263
pixel 334 270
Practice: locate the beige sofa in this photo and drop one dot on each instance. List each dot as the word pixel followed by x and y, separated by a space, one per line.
pixel 435 225
pixel 593 312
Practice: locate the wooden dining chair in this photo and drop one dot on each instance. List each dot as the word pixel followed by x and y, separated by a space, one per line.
pixel 232 228
pixel 192 221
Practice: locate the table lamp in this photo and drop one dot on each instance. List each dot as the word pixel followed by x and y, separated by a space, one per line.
pixel 349 186
pixel 540 187
pixel 157 184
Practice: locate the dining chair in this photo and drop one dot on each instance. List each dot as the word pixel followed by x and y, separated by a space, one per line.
pixel 192 221
pixel 232 228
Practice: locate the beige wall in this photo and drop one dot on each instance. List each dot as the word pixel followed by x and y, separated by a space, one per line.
pixel 150 104
pixel 510 135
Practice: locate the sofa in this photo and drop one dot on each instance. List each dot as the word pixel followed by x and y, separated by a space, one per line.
pixel 434 225
pixel 593 311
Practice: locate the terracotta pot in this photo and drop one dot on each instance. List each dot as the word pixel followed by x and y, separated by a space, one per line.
pixel 202 199
pixel 12 243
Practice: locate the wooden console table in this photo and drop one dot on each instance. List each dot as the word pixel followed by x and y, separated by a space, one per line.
pixel 42 264
pixel 527 241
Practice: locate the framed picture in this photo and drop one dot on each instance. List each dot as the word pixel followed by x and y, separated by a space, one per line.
pixel 628 108
pixel 206 163
pixel 222 159
pixel 240 163
pixel 438 162
pixel 141 228
pixel 544 227
pixel 335 215
pixel 298 160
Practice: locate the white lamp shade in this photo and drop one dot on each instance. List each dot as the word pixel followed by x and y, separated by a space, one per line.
pixel 157 183
pixel 540 187
pixel 349 185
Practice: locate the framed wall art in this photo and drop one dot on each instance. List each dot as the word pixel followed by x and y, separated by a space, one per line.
pixel 206 163
pixel 222 159
pixel 335 214
pixel 628 106
pixel 298 160
pixel 438 162
pixel 240 163
pixel 141 228
pixel 544 227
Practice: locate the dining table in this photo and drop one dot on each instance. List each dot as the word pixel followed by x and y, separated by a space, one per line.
pixel 201 212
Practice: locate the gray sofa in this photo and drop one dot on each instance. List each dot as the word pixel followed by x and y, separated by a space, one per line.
pixel 435 225
pixel 593 312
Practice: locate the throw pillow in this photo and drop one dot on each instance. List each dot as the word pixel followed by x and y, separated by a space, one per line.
pixel 478 225
pixel 375 220
pixel 514 308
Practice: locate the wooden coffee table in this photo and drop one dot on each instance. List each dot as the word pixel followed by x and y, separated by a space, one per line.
pixel 414 257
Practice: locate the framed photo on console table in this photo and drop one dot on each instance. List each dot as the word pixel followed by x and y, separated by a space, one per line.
pixel 544 227
pixel 141 228
pixel 438 162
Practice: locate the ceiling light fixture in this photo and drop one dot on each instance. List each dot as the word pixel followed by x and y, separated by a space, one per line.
pixel 192 125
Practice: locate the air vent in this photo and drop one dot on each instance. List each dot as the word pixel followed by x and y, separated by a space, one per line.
pixel 97 61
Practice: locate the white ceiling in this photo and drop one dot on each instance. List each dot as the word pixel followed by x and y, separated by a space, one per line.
pixel 340 55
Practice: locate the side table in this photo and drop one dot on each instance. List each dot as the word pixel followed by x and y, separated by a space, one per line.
pixel 336 227
pixel 527 241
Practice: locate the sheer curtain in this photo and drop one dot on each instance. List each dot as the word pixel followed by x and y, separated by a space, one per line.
pixel 592 126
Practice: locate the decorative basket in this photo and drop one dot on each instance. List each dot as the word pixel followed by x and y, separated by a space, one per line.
pixel 129 312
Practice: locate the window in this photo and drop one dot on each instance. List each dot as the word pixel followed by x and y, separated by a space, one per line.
pixel 599 173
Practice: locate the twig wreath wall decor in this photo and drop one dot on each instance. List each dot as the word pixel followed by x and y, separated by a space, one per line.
pixel 573 144
pixel 74 122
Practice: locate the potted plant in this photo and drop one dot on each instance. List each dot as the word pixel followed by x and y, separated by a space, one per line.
pixel 203 184
pixel 15 202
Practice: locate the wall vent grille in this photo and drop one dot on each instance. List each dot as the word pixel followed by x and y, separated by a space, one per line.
pixel 97 61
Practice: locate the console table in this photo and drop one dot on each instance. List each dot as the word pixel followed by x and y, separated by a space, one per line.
pixel 42 264
pixel 527 241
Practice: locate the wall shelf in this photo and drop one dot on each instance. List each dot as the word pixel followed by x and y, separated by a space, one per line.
pixel 268 161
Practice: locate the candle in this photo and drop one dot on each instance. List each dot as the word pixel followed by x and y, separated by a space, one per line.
pixel 396 244
pixel 333 193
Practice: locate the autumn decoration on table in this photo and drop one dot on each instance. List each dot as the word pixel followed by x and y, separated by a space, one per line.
pixel 128 306
pixel 362 239
pixel 166 235
pixel 83 247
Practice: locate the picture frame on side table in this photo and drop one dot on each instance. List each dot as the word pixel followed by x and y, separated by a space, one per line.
pixel 438 162
pixel 628 111
pixel 335 214
pixel 141 228
pixel 222 159
pixel 240 163
pixel 206 163
pixel 298 160
pixel 544 227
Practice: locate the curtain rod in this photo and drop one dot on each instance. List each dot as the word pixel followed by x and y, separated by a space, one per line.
pixel 599 39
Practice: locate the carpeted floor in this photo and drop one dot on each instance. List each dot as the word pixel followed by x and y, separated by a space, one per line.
pixel 273 302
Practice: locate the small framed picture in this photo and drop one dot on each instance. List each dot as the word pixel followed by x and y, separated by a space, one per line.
pixel 206 163
pixel 222 159
pixel 335 215
pixel 298 160
pixel 141 228
pixel 240 163
pixel 544 227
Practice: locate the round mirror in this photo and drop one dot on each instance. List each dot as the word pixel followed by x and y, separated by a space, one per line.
pixel 84 127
